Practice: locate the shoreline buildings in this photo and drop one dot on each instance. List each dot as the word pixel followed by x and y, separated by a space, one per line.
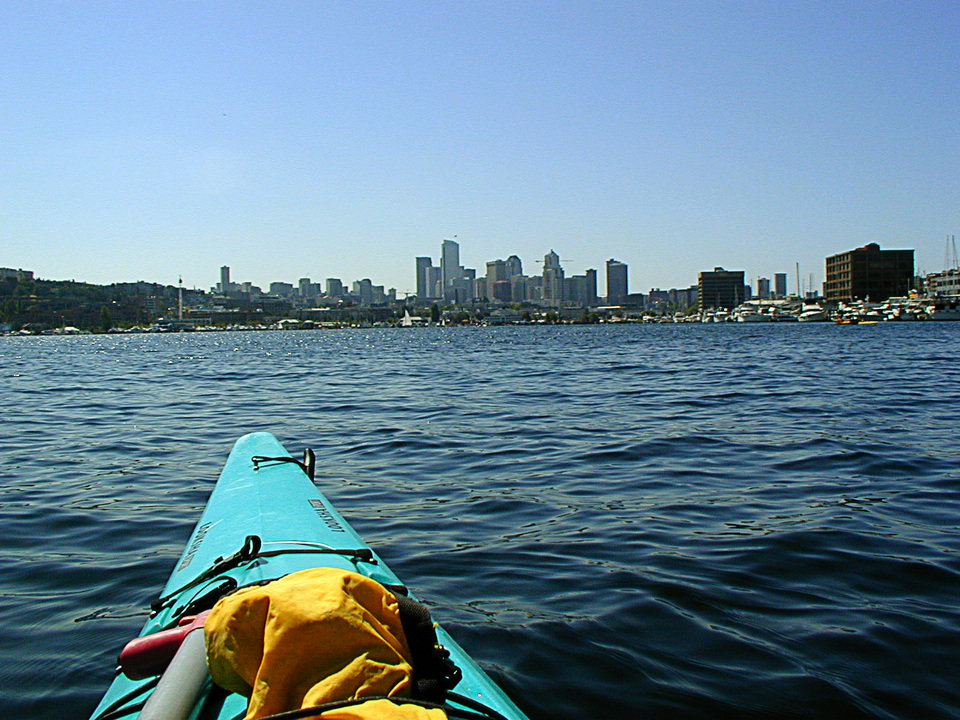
pixel 502 293
pixel 869 273
pixel 720 288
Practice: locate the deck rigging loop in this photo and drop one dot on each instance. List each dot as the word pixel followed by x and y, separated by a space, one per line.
pixel 308 464
pixel 204 600
pixel 248 551
pixel 251 550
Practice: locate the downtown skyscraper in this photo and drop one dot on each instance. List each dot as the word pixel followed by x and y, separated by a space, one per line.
pixel 616 282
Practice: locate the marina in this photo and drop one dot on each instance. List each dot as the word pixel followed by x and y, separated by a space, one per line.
pixel 751 312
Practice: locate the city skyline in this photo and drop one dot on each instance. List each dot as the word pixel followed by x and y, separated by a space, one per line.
pixel 153 142
pixel 615 272
pixel 429 278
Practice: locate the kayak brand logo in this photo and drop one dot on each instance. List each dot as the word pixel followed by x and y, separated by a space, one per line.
pixel 325 515
pixel 202 531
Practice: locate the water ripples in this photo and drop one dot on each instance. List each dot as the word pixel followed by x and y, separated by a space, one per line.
pixel 688 521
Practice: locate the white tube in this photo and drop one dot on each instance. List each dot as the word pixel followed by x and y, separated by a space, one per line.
pixel 181 684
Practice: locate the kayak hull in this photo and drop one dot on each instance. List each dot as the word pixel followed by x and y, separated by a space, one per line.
pixel 271 510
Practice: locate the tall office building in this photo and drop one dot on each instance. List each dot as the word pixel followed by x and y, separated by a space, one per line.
pixel 364 288
pixel 616 282
pixel 434 289
pixel 581 290
pixel 591 284
pixel 519 288
pixel 869 273
pixel 497 271
pixel 721 288
pixel 449 264
pixel 334 287
pixel 514 266
pixel 496 284
pixel 306 288
pixel 224 278
pixel 763 288
pixel 780 285
pixel 424 290
pixel 553 286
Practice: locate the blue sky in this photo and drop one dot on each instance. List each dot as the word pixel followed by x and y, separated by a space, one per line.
pixel 145 141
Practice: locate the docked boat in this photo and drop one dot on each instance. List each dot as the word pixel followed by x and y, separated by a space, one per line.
pixel 811 312
pixel 277 608
pixel 944 307
pixel 751 314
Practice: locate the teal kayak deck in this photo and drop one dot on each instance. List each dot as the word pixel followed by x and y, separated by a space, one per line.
pixel 266 519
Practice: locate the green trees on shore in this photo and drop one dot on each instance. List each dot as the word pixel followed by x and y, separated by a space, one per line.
pixel 44 304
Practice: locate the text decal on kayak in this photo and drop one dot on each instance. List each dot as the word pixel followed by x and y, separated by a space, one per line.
pixel 197 539
pixel 328 519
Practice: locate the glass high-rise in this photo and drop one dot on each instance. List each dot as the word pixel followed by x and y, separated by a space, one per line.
pixel 424 290
pixel 449 263
pixel 616 282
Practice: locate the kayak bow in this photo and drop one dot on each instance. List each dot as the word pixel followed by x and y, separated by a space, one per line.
pixel 265 519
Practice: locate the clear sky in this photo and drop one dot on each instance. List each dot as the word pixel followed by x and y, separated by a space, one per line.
pixel 150 140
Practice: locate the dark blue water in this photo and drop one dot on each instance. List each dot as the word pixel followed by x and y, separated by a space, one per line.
pixel 638 521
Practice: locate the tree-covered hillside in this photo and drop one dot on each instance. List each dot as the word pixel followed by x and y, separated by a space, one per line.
pixel 43 304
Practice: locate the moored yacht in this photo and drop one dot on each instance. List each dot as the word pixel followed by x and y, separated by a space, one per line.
pixel 812 312
pixel 944 307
